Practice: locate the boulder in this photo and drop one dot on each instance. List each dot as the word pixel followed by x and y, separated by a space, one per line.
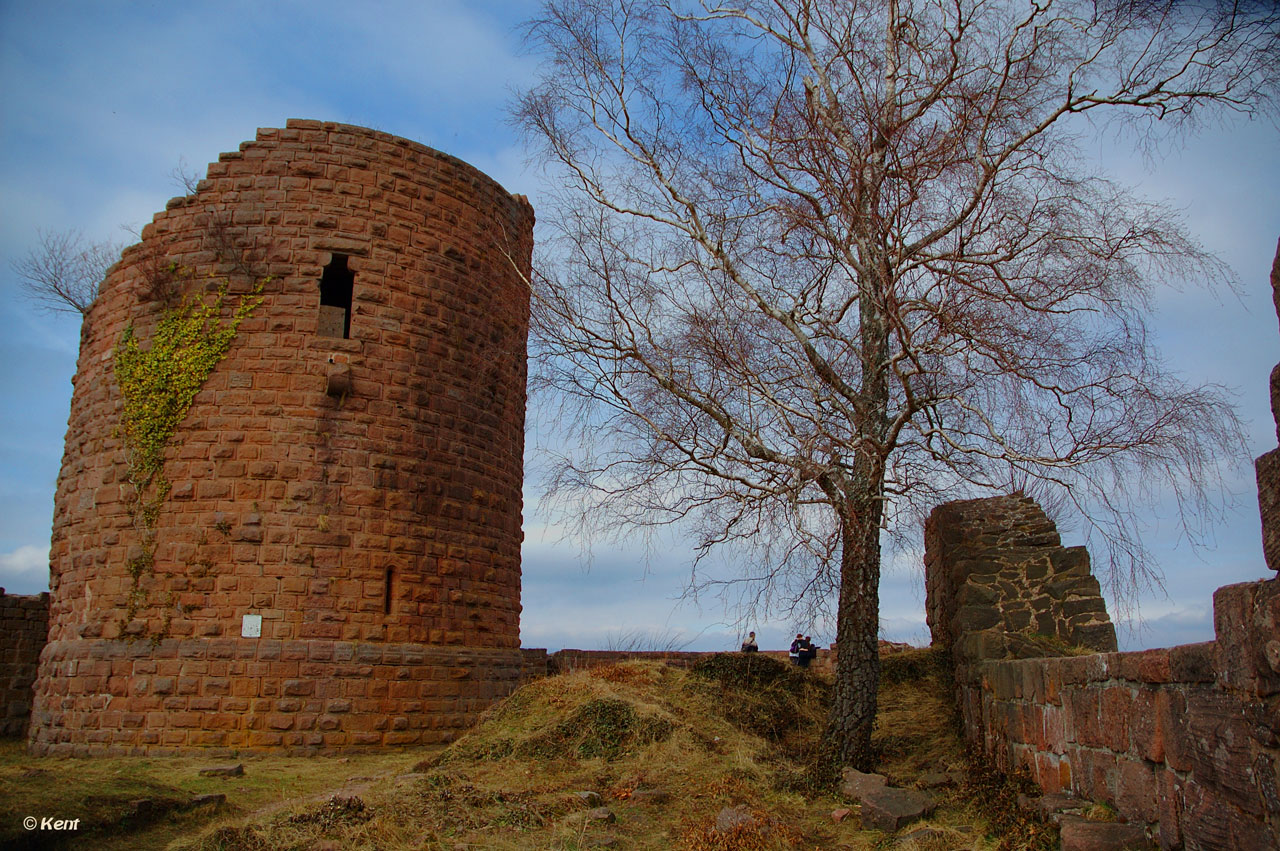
pixel 1046 806
pixel 602 814
pixel 588 798
pixel 214 799
pixel 935 780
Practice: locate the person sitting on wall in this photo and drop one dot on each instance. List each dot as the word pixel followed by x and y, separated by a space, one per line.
pixel 794 652
pixel 750 646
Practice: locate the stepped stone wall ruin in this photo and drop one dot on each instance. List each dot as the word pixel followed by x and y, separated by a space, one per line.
pixel 1184 740
pixel 337 562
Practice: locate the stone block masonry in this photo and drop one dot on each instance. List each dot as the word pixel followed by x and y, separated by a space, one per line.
pixel 997 574
pixel 1184 740
pixel 337 560
pixel 24 622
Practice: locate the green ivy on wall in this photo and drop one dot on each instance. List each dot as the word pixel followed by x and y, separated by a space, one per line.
pixel 158 384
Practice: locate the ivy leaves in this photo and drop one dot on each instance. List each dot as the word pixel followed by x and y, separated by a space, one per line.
pixel 160 382
pixel 158 385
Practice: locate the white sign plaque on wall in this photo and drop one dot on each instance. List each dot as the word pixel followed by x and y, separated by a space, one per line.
pixel 251 626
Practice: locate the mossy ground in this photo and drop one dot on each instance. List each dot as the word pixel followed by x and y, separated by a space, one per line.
pixel 665 749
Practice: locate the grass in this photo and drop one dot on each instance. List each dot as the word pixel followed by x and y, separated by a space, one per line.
pixel 665 749
pixel 101 792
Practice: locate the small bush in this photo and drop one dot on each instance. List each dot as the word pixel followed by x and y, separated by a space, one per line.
pixel 744 670
pixel 995 795
pixel 335 812
pixel 461 806
pixel 602 728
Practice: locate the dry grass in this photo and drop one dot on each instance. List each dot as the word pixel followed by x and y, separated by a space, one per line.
pixel 101 792
pixel 666 750
pixel 916 729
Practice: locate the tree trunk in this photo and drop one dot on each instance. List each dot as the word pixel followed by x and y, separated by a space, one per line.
pixel 853 705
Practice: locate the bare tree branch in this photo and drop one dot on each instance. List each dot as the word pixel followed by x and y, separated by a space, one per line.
pixel 816 266
pixel 63 272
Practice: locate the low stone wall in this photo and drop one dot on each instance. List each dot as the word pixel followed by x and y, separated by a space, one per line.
pixel 121 698
pixel 565 661
pixel 1185 740
pixel 24 626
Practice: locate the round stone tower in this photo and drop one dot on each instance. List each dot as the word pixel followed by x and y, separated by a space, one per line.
pixel 325 552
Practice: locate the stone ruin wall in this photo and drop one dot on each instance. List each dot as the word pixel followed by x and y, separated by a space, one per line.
pixel 24 625
pixel 996 572
pixel 359 493
pixel 1183 740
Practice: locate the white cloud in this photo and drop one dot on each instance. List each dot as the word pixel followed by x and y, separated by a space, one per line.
pixel 1189 625
pixel 25 570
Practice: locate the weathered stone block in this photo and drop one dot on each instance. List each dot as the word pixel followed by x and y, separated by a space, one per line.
pixel 1079 834
pixel 856 784
pixel 1246 620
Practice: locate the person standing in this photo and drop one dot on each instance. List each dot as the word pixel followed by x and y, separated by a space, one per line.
pixel 794 652
pixel 750 646
pixel 806 652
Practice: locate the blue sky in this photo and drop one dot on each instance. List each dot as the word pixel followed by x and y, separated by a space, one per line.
pixel 100 102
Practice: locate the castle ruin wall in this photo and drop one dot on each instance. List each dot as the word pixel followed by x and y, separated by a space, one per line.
pixel 1184 740
pixel 24 624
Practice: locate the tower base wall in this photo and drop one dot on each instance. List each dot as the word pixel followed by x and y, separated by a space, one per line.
pixel 105 698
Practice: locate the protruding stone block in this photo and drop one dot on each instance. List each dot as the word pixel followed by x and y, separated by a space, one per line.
pixel 1246 621
pixel 1267 467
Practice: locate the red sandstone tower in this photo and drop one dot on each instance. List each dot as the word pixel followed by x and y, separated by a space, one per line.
pixel 333 558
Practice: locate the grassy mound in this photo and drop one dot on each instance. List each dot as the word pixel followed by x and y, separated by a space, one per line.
pixel 662 748
pixel 641 755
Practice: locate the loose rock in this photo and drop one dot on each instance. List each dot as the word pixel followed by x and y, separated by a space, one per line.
pixel 890 808
pixel 730 817
pixel 215 799
pixel 934 780
pixel 602 814
pixel 855 784
pixel 1046 806
pixel 236 770
pixel 650 796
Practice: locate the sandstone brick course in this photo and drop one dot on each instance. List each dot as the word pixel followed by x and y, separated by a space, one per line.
pixel 385 513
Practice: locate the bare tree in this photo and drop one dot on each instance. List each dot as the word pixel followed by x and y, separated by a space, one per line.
pixel 63 272
pixel 821 264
